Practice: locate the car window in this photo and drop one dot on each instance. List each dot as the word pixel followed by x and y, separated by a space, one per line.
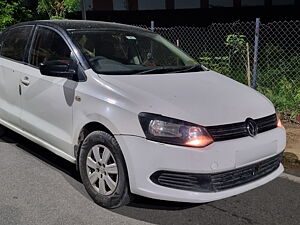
pixel 125 52
pixel 49 46
pixel 15 41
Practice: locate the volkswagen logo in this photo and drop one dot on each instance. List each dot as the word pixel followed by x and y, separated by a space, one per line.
pixel 251 127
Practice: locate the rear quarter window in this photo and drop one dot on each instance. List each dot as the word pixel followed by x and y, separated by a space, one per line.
pixel 14 43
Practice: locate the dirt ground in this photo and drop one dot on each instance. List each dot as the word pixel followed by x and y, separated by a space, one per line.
pixel 292 152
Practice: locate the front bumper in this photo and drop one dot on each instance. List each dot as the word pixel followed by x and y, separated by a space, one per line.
pixel 144 158
pixel 217 181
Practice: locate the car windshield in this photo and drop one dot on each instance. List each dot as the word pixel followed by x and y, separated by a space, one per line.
pixel 123 52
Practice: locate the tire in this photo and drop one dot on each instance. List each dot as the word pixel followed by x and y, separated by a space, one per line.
pixel 103 170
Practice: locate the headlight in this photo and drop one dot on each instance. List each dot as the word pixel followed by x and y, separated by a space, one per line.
pixel 172 131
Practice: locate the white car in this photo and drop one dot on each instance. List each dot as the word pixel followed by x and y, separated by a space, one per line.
pixel 135 113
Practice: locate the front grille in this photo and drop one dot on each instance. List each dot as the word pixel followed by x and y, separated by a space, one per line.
pixel 218 181
pixel 238 130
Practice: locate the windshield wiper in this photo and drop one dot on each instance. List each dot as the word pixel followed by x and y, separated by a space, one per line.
pixel 194 68
pixel 157 70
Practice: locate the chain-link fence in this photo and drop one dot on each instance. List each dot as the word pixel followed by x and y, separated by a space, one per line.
pixel 228 48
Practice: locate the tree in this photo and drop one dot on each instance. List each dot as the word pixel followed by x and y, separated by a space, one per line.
pixel 57 9
pixel 12 12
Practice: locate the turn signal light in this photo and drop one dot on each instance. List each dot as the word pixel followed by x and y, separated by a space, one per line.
pixel 279 123
pixel 201 141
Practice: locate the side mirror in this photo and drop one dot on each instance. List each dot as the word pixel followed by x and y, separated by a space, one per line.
pixel 57 68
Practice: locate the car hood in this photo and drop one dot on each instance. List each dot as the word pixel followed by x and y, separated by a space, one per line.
pixel 205 98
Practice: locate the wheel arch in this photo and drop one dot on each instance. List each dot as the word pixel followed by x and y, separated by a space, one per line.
pixel 86 130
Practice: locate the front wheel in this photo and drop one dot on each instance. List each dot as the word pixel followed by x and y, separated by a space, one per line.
pixel 103 171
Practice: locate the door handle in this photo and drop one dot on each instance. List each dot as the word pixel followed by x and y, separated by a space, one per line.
pixel 25 81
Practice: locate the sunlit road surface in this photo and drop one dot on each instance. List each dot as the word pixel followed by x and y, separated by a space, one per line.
pixel 37 188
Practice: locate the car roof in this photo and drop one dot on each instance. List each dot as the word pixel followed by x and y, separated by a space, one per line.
pixel 68 25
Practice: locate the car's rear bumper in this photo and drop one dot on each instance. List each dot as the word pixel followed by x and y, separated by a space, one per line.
pixel 144 158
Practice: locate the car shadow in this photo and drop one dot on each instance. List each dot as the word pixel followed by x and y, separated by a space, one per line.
pixel 69 172
pixel 148 203
pixel 40 153
pixel 64 167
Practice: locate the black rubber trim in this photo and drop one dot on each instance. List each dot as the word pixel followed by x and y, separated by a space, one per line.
pixel 217 181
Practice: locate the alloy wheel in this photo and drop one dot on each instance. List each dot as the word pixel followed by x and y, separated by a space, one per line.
pixel 102 170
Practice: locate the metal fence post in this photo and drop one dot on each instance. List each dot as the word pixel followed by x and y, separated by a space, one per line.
pixel 254 79
pixel 152 26
pixel 83 9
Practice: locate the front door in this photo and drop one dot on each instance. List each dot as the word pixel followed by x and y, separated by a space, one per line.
pixel 47 102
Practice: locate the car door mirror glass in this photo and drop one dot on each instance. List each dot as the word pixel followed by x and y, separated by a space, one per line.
pixel 57 68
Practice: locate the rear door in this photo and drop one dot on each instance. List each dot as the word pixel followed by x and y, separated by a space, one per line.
pixel 47 102
pixel 13 50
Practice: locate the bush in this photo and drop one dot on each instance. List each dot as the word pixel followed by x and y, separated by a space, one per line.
pixel 218 64
pixel 285 97
pixel 221 65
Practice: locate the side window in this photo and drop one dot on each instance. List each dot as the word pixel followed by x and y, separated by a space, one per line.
pixel 15 41
pixel 49 46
